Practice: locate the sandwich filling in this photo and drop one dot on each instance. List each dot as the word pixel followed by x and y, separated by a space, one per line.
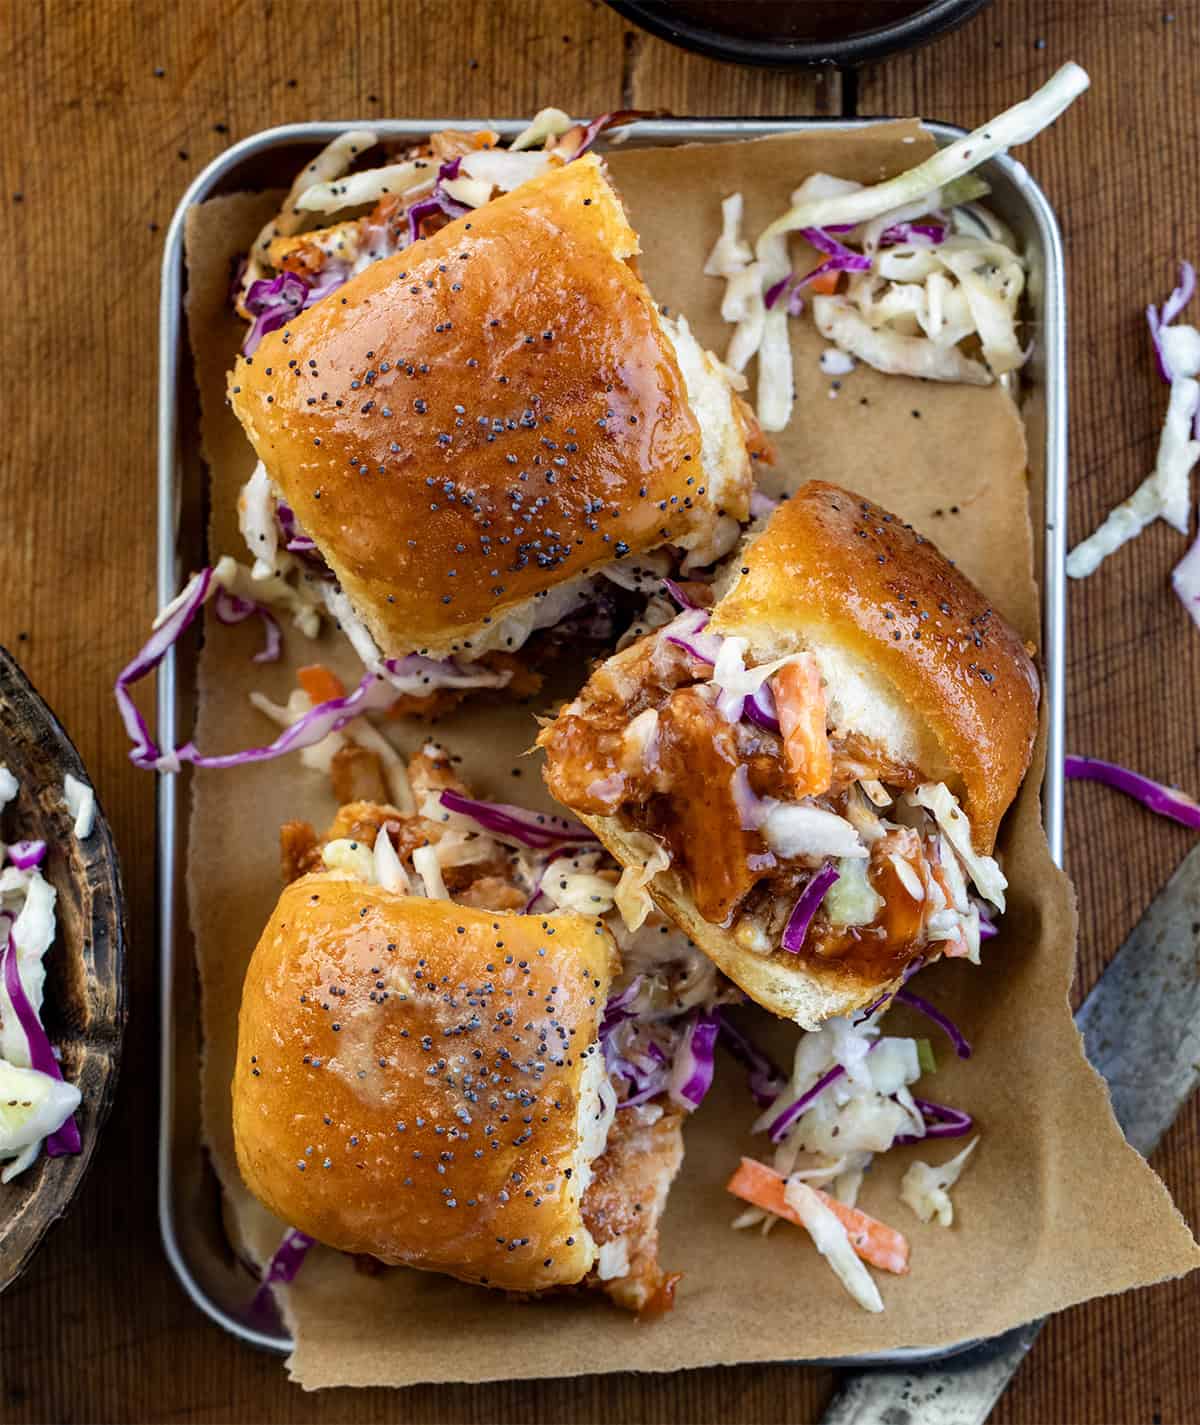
pixel 287 572
pixel 801 835
pixel 659 1030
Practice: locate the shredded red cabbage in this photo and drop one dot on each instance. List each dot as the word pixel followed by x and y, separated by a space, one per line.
pixel 287 1260
pixel 646 1073
pixel 961 1046
pixel 377 691
pixel 439 201
pixel 909 971
pixel 861 1016
pixel 765 1080
pixel 778 1127
pixel 792 285
pixel 1171 308
pixel 612 120
pixel 806 907
pixel 373 693
pixel 538 830
pixel 289 526
pixel 618 1010
pixel 920 234
pixel 838 258
pixel 65 1139
pixel 686 1073
pixel 417 675
pixel 692 1073
pixel 1164 801
pixel 25 855
pixel 232 608
pixel 941 1121
pixel 145 753
pixel 678 595
pixel 760 708
pixel 687 632
pixel 273 302
pixel 845 259
pixel 775 291
pixel 298 543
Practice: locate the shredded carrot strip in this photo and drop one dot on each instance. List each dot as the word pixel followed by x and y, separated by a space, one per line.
pixel 873 1241
pixel 825 285
pixel 956 949
pixel 800 702
pixel 320 683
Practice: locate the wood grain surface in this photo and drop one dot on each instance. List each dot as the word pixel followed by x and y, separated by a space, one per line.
pixel 107 111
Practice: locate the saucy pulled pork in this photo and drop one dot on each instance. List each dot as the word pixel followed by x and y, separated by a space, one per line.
pixel 648 744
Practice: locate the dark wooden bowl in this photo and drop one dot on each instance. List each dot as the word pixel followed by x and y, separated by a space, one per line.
pixel 84 1009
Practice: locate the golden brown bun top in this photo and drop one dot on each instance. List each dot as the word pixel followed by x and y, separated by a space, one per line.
pixel 482 416
pixel 835 566
pixel 409 1079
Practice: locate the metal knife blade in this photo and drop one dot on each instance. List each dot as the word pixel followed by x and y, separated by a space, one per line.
pixel 1141 1030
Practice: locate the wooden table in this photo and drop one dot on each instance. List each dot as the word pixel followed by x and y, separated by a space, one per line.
pixel 108 110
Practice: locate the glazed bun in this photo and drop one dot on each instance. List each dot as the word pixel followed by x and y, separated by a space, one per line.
pixel 471 426
pixel 422 1082
pixel 914 659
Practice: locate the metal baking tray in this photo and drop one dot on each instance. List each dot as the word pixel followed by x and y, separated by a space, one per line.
pixel 189 1197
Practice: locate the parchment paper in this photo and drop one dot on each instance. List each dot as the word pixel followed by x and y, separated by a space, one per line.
pixel 1054 1208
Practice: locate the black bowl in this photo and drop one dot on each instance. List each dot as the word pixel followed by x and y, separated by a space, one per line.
pixel 84 1009
pixel 789 34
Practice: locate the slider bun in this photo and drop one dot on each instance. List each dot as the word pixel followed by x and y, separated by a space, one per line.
pixel 491 412
pixel 478 1055
pixel 913 656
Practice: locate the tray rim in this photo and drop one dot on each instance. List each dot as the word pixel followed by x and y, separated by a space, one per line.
pixel 172 355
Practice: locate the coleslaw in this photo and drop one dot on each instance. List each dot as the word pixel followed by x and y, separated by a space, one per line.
pixel 912 276
pixel 1164 493
pixel 849 1097
pixel 37 1106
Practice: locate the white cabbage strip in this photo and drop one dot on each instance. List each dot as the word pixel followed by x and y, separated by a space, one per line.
pixel 1165 493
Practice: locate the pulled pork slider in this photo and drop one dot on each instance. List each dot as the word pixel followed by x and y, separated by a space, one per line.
pixel 423 1079
pixel 422 1082
pixel 489 427
pixel 811 776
